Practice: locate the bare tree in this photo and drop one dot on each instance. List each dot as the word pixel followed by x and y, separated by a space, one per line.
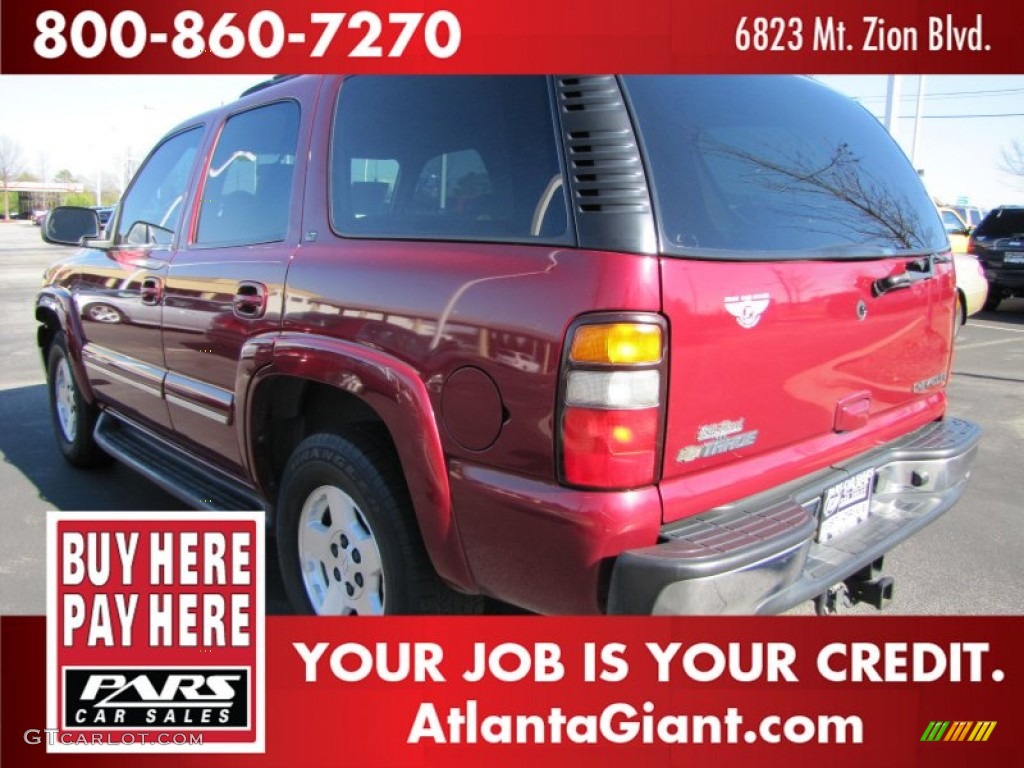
pixel 10 166
pixel 1012 161
pixel 871 210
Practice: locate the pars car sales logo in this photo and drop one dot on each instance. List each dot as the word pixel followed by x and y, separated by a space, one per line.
pixel 155 632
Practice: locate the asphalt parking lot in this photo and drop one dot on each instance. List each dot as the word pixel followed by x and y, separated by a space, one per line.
pixel 971 561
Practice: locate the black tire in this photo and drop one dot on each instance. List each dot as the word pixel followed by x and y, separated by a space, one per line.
pixel 995 298
pixel 344 504
pixel 74 419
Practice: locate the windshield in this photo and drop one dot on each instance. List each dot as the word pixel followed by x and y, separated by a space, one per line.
pixel 779 166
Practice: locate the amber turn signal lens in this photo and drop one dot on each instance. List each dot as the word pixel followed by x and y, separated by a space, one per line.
pixel 616 344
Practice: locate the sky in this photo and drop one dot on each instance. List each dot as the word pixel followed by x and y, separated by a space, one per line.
pixel 91 123
pixel 961 138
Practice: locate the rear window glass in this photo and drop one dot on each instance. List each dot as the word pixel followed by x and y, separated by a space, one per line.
pixel 1003 222
pixel 462 158
pixel 777 165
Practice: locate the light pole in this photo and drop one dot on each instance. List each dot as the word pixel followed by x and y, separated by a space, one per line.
pixel 917 121
pixel 892 104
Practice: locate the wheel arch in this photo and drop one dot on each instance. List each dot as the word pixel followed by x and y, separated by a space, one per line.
pixel 54 311
pixel 294 385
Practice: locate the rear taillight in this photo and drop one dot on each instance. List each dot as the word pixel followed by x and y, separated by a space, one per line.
pixel 972 247
pixel 612 398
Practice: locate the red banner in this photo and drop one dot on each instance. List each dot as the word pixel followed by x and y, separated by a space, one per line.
pixel 529 36
pixel 610 691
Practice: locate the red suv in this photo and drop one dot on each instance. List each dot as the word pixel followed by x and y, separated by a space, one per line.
pixel 584 344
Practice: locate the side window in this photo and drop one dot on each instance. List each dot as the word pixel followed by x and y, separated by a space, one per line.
pixel 951 222
pixel 151 209
pixel 470 158
pixel 246 196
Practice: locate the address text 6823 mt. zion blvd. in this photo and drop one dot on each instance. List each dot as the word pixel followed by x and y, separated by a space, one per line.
pixel 870 33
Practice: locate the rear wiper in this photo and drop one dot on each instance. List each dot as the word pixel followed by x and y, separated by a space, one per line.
pixel 861 252
pixel 852 252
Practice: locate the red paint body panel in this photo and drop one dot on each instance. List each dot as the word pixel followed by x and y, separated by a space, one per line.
pixel 111 281
pixel 542 546
pixel 785 376
pixel 466 310
pixel 700 491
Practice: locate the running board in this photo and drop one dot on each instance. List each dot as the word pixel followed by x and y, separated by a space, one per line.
pixel 177 473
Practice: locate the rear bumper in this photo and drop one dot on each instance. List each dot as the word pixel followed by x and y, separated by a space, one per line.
pixel 759 555
pixel 1002 277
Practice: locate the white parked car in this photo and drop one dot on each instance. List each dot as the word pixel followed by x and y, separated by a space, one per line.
pixel 971 285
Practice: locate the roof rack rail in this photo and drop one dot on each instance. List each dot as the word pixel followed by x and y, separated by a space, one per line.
pixel 266 84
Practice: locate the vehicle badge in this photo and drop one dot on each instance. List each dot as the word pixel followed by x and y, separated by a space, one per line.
pixel 747 309
pixel 717 442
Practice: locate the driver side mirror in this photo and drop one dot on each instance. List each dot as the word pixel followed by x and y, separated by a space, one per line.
pixel 71 225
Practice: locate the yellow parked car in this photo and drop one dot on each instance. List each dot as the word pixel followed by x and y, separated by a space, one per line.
pixel 957 230
pixel 971 285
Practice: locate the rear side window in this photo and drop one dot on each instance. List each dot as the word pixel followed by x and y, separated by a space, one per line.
pixel 1002 222
pixel 247 193
pixel 972 216
pixel 461 158
pixel 782 166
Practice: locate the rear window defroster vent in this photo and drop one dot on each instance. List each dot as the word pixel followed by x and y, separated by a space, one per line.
pixel 607 172
pixel 595 92
pixel 608 184
pixel 604 161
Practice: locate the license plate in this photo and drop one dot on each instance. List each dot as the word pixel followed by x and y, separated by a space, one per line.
pixel 846 505
pixel 1013 258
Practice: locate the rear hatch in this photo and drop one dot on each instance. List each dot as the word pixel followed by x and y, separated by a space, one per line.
pixel 999 239
pixel 805 274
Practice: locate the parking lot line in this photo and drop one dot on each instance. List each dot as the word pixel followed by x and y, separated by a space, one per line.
pixel 979 344
pixel 996 327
